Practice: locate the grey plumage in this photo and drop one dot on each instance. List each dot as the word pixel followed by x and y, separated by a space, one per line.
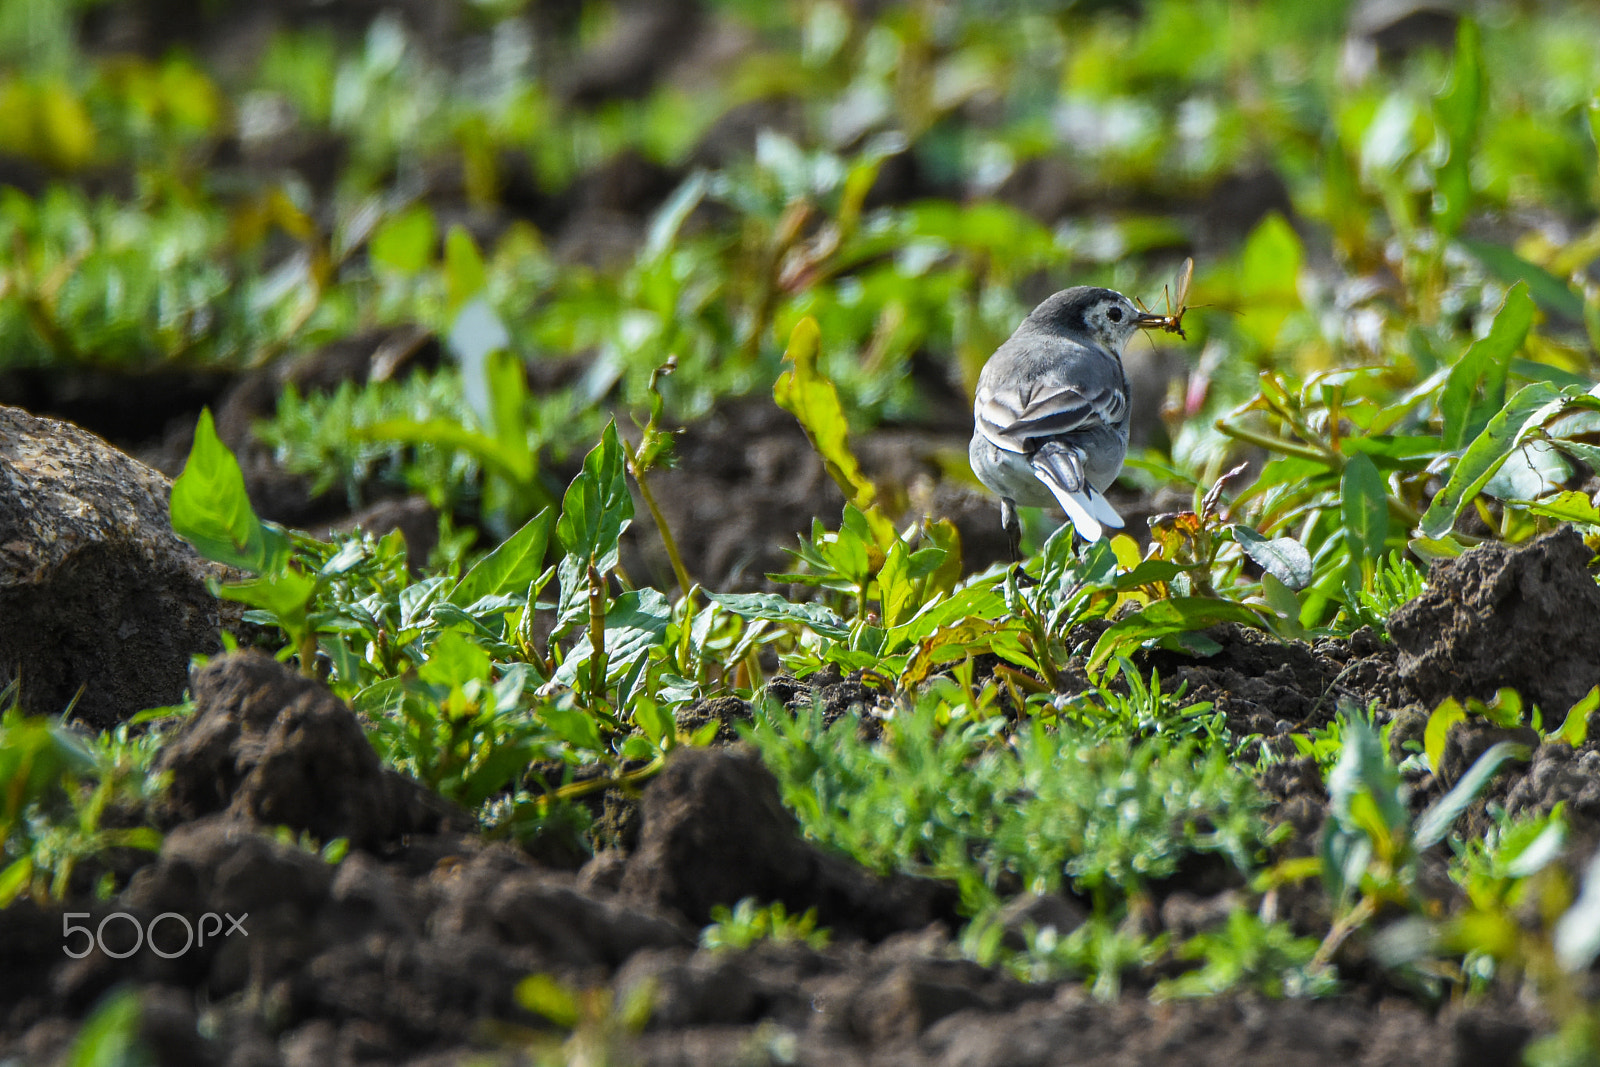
pixel 1051 413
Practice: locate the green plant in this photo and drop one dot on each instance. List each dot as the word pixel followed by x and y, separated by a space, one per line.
pixel 938 796
pixel 109 1037
pixel 748 922
pixel 327 436
pixel 1505 710
pixel 59 789
pixel 1098 951
pixel 1394 582
pixel 1143 711
pixel 1247 952
pixel 445 666
pixel 1370 846
pixel 598 1026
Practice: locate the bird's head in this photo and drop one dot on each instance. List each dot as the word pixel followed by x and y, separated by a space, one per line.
pixel 1095 316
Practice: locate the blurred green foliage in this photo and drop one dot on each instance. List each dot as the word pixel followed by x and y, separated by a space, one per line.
pixel 336 181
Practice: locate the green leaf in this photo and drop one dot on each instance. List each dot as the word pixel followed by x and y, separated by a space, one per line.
pixel 1584 453
pixel 1532 471
pixel 1364 507
pixel 1282 557
pixel 1571 506
pixel 1344 856
pixel 1269 273
pixel 1435 823
pixel 1175 616
pixel 14 880
pixel 211 510
pixel 1447 714
pixel 110 1036
pixel 897 587
pixel 1577 932
pixel 774 608
pixel 545 995
pixel 1504 710
pixel 454 659
pixel 597 507
pixel 1575 730
pixel 1549 291
pixel 404 243
pixel 1391 451
pixel 464 273
pixel 811 398
pixel 573 725
pixel 670 219
pixel 982 600
pixel 1458 108
pixel 1539 852
pixel 1431 550
pixel 514 464
pixel 1476 387
pixel 1148 572
pixel 656 721
pixel 510 568
pixel 34 754
pixel 635 622
pixel 350 555
pixel 1282 600
pixel 286 595
pixel 1461 102
pixel 1484 456
pixel 507 379
pixel 1364 770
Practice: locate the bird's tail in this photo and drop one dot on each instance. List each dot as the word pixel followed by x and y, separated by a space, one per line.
pixel 1060 467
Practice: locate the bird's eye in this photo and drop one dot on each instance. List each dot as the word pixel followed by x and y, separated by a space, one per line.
pixel 1115 314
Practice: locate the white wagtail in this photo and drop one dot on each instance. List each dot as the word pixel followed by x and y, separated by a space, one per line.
pixel 1051 416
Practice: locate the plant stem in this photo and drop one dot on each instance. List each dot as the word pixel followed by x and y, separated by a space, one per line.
pixel 574 790
pixel 679 571
pixel 597 634
pixel 1278 444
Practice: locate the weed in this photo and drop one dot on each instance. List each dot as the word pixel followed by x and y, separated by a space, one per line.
pixel 69 804
pixel 748 922
pixel 1049 809
pixel 1247 953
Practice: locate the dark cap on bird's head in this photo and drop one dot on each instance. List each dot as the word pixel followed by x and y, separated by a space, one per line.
pixel 1091 314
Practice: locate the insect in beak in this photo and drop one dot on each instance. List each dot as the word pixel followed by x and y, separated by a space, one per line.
pixel 1172 321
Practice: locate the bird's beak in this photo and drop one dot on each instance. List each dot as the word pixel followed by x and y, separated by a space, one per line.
pixel 1149 320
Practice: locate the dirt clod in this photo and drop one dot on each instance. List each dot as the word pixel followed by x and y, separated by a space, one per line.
pixel 267 745
pixel 1466 741
pixel 1503 615
pixel 715 832
pixel 726 712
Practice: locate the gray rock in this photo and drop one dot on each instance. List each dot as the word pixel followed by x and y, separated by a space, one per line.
pixel 96 591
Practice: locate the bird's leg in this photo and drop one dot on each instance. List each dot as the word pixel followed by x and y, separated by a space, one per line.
pixel 1013 529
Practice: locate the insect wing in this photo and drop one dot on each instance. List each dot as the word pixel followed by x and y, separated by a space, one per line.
pixel 1185 274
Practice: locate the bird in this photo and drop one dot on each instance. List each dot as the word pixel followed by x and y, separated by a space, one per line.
pixel 1050 417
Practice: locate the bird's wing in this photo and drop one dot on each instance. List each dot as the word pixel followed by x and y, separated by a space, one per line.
pixel 1019 414
pixel 1060 467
